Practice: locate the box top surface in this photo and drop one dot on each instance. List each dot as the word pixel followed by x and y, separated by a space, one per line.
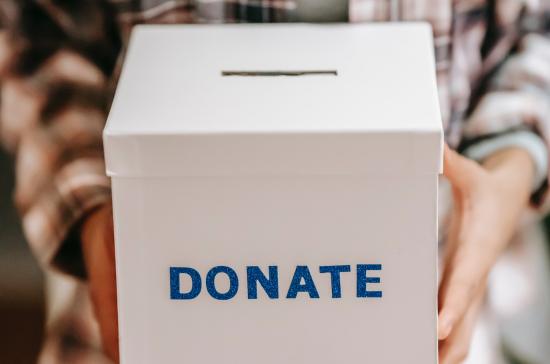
pixel 376 79
pixel 172 79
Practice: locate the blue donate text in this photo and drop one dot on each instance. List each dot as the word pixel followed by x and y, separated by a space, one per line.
pixel 266 280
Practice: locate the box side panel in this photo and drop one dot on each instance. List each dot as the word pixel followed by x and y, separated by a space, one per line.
pixel 284 222
pixel 129 217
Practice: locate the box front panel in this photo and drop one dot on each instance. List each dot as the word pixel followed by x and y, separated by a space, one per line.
pixel 194 258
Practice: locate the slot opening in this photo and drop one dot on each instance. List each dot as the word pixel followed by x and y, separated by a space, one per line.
pixel 275 73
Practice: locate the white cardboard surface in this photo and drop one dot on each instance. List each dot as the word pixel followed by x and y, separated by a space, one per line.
pixel 312 171
pixel 383 102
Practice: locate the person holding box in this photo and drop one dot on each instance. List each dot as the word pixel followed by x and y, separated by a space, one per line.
pixel 61 60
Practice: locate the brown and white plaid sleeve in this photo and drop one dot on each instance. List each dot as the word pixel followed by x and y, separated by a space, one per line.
pixel 515 98
pixel 54 101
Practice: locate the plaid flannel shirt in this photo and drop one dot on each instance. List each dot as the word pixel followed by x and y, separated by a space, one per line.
pixel 492 69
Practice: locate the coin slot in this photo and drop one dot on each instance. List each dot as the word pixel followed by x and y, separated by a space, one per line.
pixel 291 73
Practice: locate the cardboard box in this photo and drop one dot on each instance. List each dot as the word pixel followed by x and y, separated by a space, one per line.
pixel 275 194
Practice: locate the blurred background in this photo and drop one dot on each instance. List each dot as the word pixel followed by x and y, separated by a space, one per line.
pixel 21 283
pixel 22 300
pixel 22 293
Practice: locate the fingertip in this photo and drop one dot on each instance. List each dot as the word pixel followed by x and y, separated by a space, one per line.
pixel 444 326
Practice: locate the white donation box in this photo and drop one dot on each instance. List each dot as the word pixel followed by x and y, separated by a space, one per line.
pixel 275 194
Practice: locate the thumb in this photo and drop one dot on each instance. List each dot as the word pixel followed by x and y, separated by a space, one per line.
pixel 460 171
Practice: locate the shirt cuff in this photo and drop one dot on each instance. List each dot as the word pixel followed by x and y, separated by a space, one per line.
pixel 524 139
pixel 52 224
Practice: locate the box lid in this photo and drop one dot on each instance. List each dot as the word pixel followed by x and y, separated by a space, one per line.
pixel 276 99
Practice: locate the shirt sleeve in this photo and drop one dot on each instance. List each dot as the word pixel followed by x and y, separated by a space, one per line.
pixel 60 172
pixel 516 104
pixel 527 140
pixel 55 98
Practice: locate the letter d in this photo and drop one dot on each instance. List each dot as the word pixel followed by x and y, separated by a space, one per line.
pixel 175 287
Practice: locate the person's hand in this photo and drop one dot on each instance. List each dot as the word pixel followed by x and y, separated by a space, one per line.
pixel 488 201
pixel 99 256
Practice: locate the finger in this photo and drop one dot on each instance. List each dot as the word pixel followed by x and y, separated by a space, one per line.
pixel 467 268
pixel 461 283
pixel 109 313
pixel 454 222
pixel 465 272
pixel 455 348
pixel 103 291
pixel 460 171
pixel 100 262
